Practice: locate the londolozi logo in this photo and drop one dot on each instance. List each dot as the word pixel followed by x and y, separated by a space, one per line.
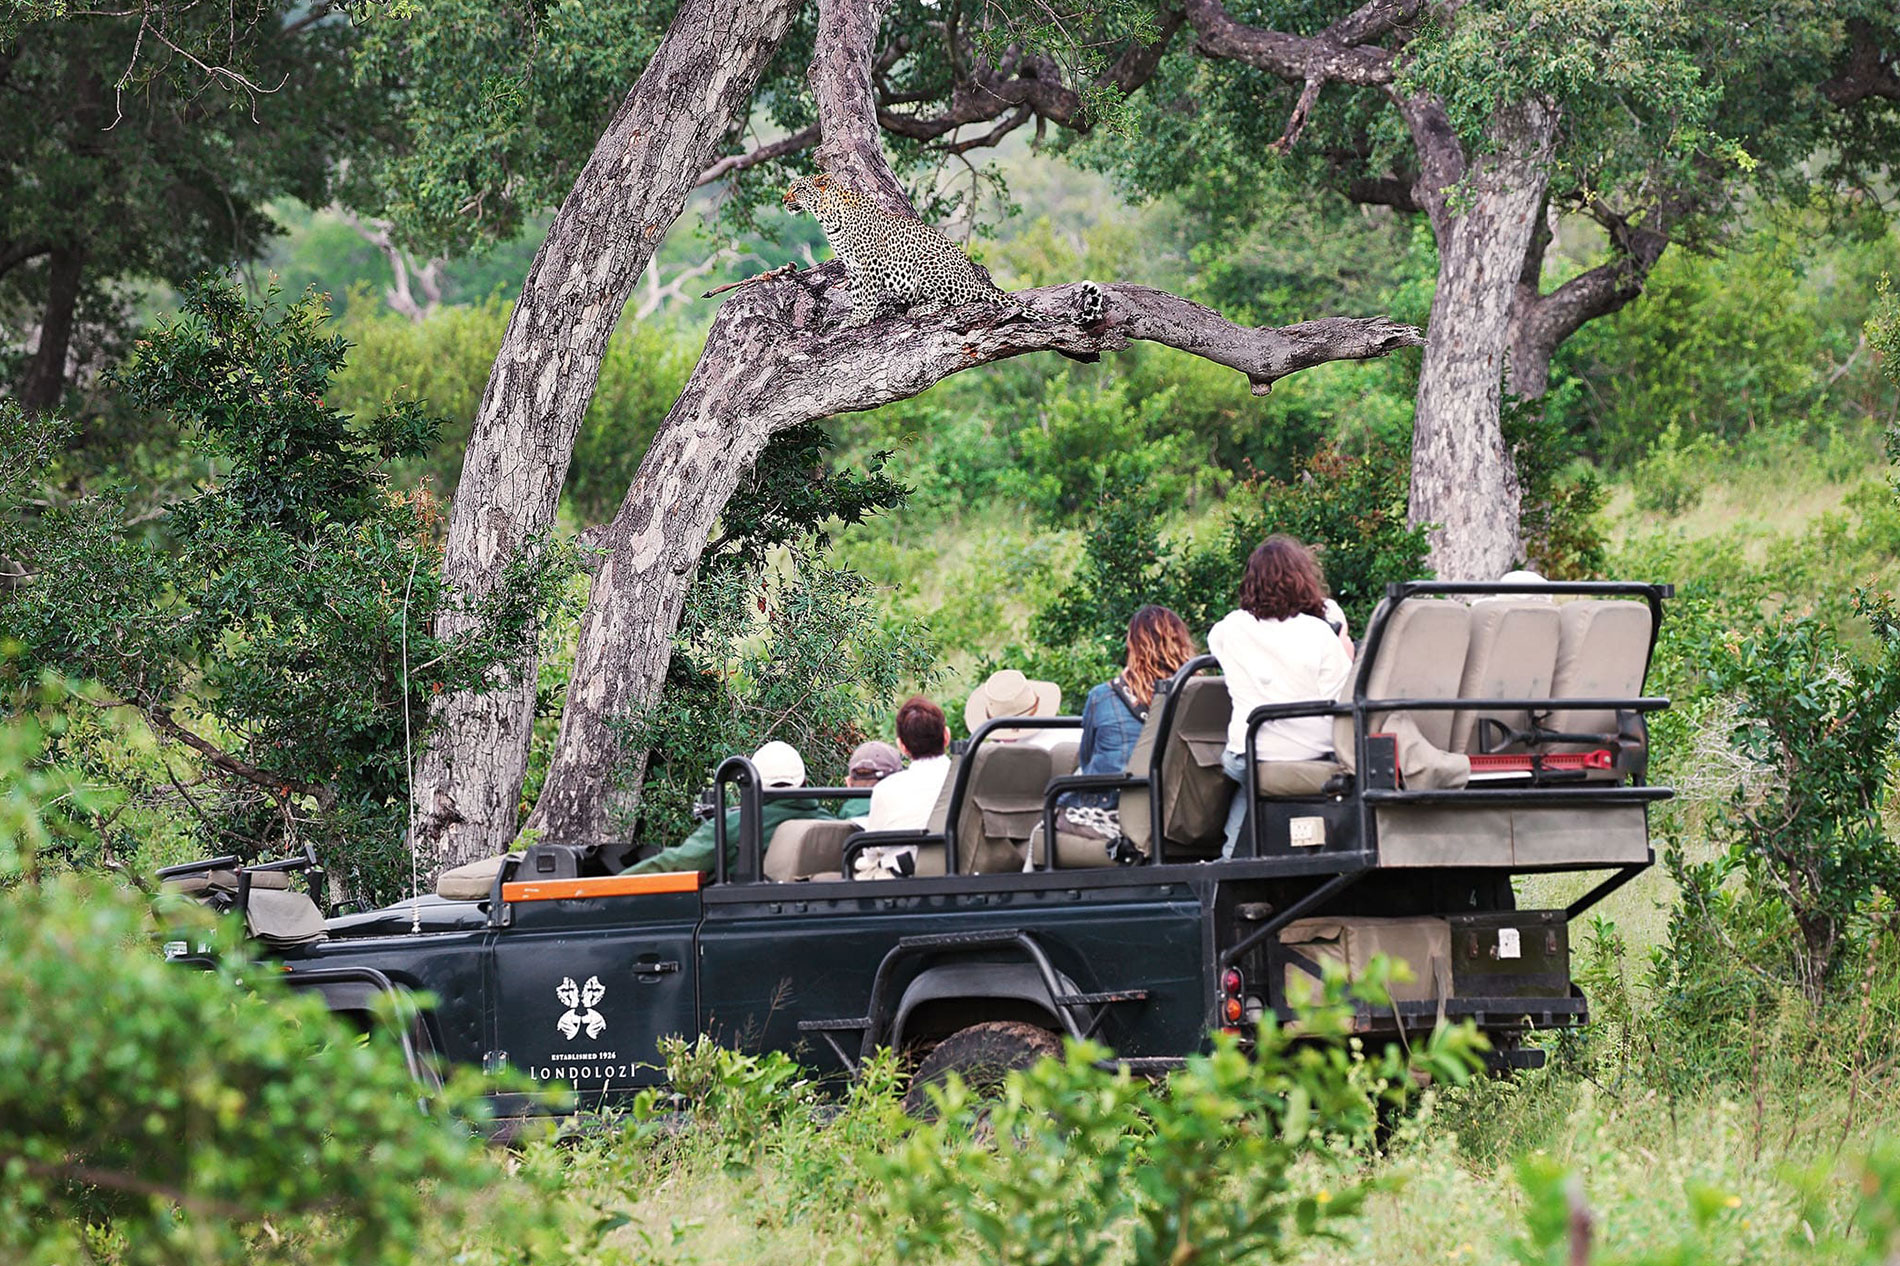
pixel 579 1001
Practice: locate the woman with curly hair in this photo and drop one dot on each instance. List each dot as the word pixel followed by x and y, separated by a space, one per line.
pixel 1158 644
pixel 1285 644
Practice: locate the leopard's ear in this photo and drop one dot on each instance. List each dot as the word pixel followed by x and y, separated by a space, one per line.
pixel 821 181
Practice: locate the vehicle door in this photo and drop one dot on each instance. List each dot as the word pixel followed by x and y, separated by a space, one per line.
pixel 586 976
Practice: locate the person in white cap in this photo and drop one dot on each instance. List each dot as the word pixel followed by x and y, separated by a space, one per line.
pixel 1009 693
pixel 779 765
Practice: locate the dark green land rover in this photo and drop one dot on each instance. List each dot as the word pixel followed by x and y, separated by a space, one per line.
pixel 1488 731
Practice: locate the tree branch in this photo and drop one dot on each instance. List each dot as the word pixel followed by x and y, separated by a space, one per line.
pixel 1339 52
pixel 1866 71
pixel 834 370
pixel 733 164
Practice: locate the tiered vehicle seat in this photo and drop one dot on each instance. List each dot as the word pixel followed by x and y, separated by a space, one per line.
pixel 1523 784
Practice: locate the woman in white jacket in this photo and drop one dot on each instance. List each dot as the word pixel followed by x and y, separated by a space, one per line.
pixel 1287 643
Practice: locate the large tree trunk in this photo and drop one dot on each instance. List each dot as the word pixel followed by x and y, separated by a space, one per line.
pixel 45 380
pixel 698 84
pixel 1464 481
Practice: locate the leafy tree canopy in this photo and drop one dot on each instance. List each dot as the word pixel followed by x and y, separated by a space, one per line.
pixel 145 144
pixel 265 631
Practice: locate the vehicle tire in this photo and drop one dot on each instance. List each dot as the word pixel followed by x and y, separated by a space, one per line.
pixel 982 1055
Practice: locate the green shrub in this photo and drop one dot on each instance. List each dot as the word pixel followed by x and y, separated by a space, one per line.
pixel 264 630
pixel 1822 721
pixel 1071 1163
pixel 153 1112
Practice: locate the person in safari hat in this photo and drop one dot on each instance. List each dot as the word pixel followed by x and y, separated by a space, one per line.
pixel 1009 693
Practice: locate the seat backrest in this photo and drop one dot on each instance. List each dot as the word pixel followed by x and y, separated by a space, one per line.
pixel 1602 653
pixel 1002 804
pixel 803 847
pixel 1063 759
pixel 1136 816
pixel 1195 791
pixel 1512 655
pixel 1420 656
pixel 940 812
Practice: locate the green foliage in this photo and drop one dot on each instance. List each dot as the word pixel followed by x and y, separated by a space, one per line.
pixel 1078 443
pixel 265 632
pixel 1820 722
pixel 124 156
pixel 151 1112
pixel 1721 348
pixel 1351 509
pixel 1068 1159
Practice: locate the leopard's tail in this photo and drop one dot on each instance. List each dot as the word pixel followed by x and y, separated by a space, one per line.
pixel 1091 304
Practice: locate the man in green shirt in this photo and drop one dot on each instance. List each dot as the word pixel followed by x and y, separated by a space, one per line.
pixel 779 765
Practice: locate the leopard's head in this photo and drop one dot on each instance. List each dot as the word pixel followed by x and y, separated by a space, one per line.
pixel 813 193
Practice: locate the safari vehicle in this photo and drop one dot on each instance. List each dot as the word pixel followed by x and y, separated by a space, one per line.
pixel 1488 731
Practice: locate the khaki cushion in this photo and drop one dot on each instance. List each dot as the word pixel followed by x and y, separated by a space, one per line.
pixel 1195 791
pixel 1512 655
pixel 1073 851
pixel 1063 759
pixel 1422 656
pixel 1602 653
pixel 1423 944
pixel 1297 777
pixel 1002 805
pixel 804 847
pixel 471 881
pixel 227 881
pixel 279 917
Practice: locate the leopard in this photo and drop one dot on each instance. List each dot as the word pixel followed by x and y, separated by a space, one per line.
pixel 898 263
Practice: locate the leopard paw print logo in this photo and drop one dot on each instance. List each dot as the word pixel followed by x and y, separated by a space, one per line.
pixel 579 1001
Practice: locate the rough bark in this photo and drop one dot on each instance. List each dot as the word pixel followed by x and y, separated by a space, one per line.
pixel 45 380
pixel 646 163
pixel 777 356
pixel 1464 481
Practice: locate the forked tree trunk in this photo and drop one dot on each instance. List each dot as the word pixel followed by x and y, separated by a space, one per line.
pixel 45 379
pixel 1464 481
pixel 648 161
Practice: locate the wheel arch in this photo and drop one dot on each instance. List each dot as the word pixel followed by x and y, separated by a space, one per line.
pixel 949 996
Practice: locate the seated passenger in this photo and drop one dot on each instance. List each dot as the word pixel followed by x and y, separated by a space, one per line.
pixel 1277 648
pixel 1008 693
pixel 903 801
pixel 1158 644
pixel 779 765
pixel 870 764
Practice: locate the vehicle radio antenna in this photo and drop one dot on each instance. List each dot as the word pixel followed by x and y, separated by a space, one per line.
pixel 409 756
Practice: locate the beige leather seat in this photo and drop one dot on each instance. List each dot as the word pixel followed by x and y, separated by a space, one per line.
pixel 1194 791
pixel 1063 759
pixel 1422 656
pixel 1001 805
pixel 807 847
pixel 1602 653
pixel 1512 654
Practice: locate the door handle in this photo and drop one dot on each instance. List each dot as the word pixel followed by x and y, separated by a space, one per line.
pixel 656 969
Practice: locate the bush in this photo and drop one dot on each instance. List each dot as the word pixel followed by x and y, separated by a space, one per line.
pixel 151 1112
pixel 265 629
pixel 1069 1159
pixel 1822 720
